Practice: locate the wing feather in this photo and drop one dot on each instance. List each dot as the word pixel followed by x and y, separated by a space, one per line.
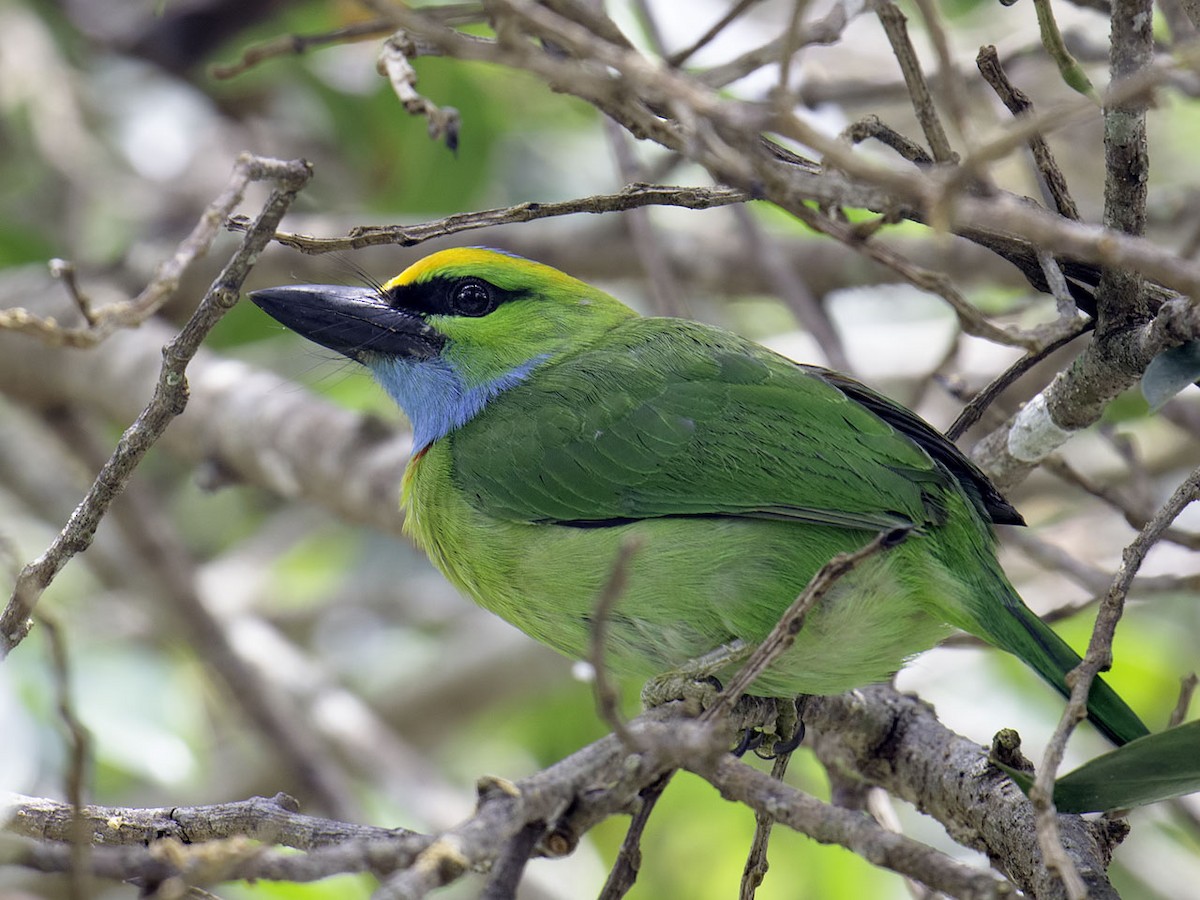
pixel 671 418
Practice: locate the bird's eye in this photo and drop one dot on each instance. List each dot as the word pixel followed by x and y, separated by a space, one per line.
pixel 472 297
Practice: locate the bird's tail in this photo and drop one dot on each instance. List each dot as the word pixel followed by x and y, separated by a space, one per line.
pixel 1030 639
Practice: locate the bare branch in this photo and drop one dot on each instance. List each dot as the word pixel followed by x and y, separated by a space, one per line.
pixel 894 741
pixel 1187 689
pixel 299 44
pixel 1077 396
pixel 756 859
pixel 629 860
pixel 129 313
pixel 170 394
pixel 923 763
pixel 79 763
pixel 632 196
pixel 1097 659
pixel 1019 104
pixel 680 57
pixel 830 824
pixel 783 635
pixel 607 700
pixel 393 64
pixel 895 24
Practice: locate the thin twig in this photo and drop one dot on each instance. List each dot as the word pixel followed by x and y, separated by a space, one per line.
pixel 630 197
pixel 1063 301
pixel 755 869
pixel 948 78
pixel 607 699
pixel 1019 104
pixel 980 403
pixel 788 806
pixel 624 872
pixel 80 759
pixel 506 872
pixel 970 319
pixel 827 30
pixel 871 126
pixel 269 819
pixel 65 271
pixel 678 58
pixel 896 27
pixel 298 45
pixel 791 288
pixel 1134 513
pixel 170 395
pixel 791 44
pixel 1098 658
pixel 133 312
pixel 784 633
pixel 664 283
pixel 1187 689
pixel 393 64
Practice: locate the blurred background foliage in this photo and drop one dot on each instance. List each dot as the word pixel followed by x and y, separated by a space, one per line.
pixel 114 134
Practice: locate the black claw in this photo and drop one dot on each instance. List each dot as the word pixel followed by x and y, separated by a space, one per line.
pixel 752 739
pixel 782 748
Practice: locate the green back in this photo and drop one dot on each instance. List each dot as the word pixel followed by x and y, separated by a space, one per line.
pixel 665 417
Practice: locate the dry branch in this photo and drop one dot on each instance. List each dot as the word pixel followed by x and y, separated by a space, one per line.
pixel 874 735
pixel 170 395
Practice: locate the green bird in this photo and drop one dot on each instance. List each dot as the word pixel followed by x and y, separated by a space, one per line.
pixel 552 424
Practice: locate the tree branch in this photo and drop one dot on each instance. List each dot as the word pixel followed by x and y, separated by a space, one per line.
pixel 170 395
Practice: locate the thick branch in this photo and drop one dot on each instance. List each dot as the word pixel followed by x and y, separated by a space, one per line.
pixel 891 739
pixel 896 742
pixel 274 820
pixel 1078 396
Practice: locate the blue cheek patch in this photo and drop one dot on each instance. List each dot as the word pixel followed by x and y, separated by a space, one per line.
pixel 434 395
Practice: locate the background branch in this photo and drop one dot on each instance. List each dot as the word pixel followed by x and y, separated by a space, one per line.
pixel 370 689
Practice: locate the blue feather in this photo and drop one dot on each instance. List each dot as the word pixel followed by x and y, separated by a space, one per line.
pixel 435 396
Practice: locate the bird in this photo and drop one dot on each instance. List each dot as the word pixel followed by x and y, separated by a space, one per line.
pixel 554 426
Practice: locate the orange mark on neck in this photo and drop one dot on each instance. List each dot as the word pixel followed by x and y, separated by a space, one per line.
pixel 411 469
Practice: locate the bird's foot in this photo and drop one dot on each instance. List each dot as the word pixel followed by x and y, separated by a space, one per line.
pixel 698 692
pixel 786 727
pixel 695 682
pixel 789 727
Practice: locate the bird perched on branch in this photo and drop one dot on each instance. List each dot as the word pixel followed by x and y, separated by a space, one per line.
pixel 552 424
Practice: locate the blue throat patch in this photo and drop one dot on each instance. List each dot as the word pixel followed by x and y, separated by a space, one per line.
pixel 434 395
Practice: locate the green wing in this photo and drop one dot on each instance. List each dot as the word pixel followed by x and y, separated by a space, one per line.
pixel 670 418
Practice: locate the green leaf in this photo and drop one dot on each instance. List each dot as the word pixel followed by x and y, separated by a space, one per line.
pixel 1170 372
pixel 1152 768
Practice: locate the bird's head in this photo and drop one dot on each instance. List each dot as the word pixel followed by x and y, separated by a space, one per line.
pixel 452 330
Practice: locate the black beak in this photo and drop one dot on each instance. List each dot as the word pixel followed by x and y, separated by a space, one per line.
pixel 351 320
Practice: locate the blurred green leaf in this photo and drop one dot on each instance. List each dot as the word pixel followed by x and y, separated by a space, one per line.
pixel 1170 372
pixel 21 244
pixel 1153 768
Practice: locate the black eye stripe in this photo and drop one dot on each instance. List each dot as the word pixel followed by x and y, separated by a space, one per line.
pixel 445 296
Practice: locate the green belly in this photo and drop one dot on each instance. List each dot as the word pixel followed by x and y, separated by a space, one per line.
pixel 693 584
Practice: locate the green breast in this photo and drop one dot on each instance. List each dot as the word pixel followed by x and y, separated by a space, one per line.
pixel 695 583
